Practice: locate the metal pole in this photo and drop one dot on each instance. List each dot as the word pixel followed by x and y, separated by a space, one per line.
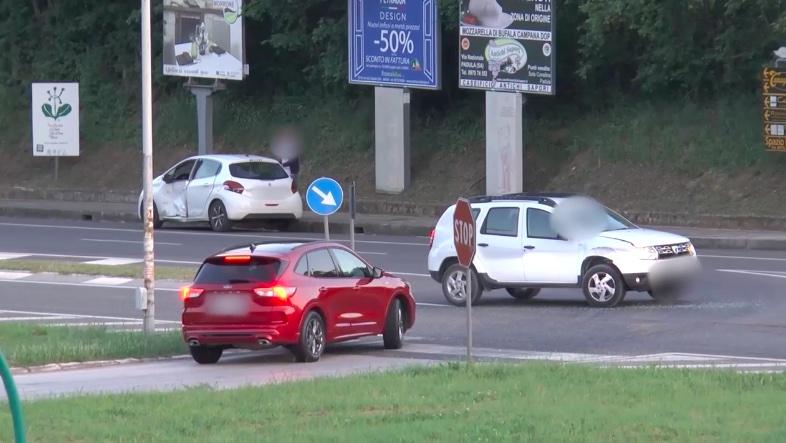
pixel 147 167
pixel 352 210
pixel 13 401
pixel 327 228
pixel 57 167
pixel 468 295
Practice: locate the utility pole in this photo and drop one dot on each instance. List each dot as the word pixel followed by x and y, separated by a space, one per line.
pixel 147 169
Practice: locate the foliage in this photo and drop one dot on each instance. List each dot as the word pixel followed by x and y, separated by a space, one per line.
pixel 697 47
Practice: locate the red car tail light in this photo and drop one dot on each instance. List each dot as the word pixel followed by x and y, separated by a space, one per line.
pixel 237 259
pixel 279 292
pixel 431 235
pixel 234 186
pixel 189 292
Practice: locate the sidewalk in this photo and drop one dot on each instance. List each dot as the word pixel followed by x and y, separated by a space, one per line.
pixel 705 238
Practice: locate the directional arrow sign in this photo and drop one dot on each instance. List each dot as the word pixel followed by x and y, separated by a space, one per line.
pixel 324 196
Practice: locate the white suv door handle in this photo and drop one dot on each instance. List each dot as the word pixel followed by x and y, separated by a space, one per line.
pixel 529 247
pixel 483 245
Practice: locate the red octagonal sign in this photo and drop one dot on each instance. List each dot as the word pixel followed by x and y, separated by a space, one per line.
pixel 464 232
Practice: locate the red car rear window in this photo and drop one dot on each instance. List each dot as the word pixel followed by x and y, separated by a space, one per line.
pixel 216 271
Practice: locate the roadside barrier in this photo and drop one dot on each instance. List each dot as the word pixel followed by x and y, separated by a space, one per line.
pixel 13 401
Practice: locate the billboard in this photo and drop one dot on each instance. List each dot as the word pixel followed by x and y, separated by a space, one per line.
pixel 507 45
pixel 204 38
pixel 394 43
pixel 774 112
pixel 55 119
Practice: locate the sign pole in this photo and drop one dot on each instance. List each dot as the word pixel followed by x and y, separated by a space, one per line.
pixel 147 167
pixel 464 241
pixel 352 211
pixel 57 167
pixel 468 295
pixel 327 227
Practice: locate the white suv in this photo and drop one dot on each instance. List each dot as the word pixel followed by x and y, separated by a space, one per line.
pixel 519 250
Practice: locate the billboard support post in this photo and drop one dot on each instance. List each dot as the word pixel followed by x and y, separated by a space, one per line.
pixel 392 142
pixel 204 102
pixel 504 143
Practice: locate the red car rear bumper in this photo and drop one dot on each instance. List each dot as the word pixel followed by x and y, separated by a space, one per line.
pixel 241 336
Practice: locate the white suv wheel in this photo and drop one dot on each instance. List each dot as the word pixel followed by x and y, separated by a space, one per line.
pixel 454 282
pixel 603 286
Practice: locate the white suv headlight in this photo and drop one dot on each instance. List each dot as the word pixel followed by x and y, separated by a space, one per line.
pixel 647 253
pixel 691 250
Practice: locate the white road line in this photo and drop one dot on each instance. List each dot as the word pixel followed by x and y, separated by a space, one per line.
pixel 40 318
pixel 739 257
pixel 5 311
pixel 8 275
pixel 9 256
pixel 109 281
pixel 95 257
pixel 409 274
pixel 211 234
pixel 84 285
pixel 114 261
pixel 759 273
pixel 373 253
pixel 434 304
pixel 135 242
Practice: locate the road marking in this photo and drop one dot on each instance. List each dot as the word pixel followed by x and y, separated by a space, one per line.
pixel 8 275
pixel 9 256
pixel 5 311
pixel 114 261
pixel 135 242
pixel 434 304
pixel 95 257
pixel 739 257
pixel 16 319
pixel 211 234
pixel 109 281
pixel 759 273
pixel 373 253
pixel 85 285
pixel 409 274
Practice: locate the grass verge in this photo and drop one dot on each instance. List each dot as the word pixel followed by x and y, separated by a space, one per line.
pixel 31 345
pixel 528 402
pixel 129 271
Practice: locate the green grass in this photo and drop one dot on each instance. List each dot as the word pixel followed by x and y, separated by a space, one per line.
pixel 130 271
pixel 528 402
pixel 31 345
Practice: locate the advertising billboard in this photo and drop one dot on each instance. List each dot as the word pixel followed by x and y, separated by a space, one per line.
pixel 507 45
pixel 394 43
pixel 204 38
pixel 55 115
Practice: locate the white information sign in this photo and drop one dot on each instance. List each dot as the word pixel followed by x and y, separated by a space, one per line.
pixel 55 119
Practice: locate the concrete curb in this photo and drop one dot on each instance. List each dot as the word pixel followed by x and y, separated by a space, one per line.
pixel 53 367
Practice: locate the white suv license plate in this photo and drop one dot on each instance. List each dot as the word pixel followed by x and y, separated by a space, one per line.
pixel 231 305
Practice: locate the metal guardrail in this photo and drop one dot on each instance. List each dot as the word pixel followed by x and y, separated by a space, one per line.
pixel 13 401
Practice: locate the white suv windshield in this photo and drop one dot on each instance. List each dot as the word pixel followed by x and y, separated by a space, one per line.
pixel 616 222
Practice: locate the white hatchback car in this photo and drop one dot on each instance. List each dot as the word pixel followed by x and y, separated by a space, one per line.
pixel 519 250
pixel 222 189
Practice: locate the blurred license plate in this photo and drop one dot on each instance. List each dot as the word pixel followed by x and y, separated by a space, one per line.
pixel 227 304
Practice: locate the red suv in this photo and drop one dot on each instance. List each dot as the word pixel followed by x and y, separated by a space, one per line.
pixel 299 295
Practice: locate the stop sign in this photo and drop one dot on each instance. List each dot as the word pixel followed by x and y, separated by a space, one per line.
pixel 464 232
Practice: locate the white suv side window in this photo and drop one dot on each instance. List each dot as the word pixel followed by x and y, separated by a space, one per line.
pixel 501 221
pixel 539 225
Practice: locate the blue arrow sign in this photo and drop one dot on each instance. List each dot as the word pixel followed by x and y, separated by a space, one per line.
pixel 324 196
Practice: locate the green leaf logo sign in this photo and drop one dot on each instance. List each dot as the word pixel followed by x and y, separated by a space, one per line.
pixel 231 16
pixel 55 108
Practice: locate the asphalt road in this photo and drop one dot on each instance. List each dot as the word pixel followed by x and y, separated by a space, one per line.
pixel 737 307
